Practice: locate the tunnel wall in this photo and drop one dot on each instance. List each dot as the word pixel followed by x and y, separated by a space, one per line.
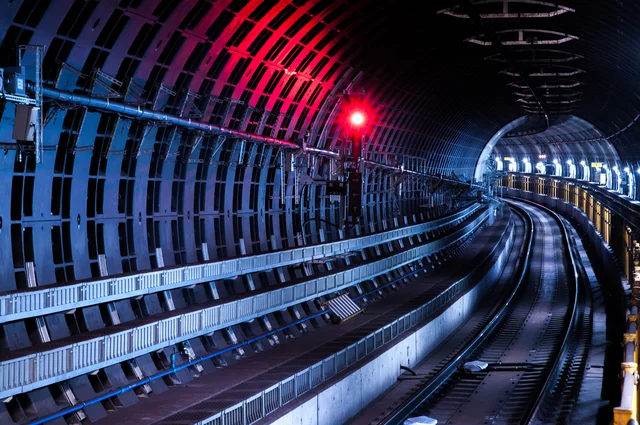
pixel 135 195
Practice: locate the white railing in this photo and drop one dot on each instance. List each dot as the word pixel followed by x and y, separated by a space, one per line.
pixel 60 298
pixel 265 402
pixel 33 371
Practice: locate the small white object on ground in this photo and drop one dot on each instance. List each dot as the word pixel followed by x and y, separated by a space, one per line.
pixel 420 420
pixel 475 366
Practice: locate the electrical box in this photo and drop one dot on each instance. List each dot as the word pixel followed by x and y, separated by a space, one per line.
pixel 355 194
pixel 25 124
pixel 15 81
pixel 335 187
pixel 288 161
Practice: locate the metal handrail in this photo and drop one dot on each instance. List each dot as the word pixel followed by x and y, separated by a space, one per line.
pixel 302 382
pixel 34 370
pixel 369 343
pixel 629 210
pixel 16 305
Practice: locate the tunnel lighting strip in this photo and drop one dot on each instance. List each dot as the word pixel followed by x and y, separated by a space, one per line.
pixel 175 369
pixel 49 300
pixel 22 374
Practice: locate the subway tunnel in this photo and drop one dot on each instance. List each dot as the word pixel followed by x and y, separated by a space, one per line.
pixel 281 211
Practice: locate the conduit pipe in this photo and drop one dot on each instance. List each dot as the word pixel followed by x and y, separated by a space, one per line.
pixel 140 113
pixel 322 152
pixel 403 170
pixel 148 114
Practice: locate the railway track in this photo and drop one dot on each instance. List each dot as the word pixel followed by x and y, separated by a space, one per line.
pixel 534 342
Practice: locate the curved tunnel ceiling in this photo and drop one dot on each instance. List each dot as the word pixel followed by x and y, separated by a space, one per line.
pixel 568 138
pixel 438 86
pixel 436 82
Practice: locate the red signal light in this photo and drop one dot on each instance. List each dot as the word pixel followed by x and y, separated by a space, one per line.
pixel 357 118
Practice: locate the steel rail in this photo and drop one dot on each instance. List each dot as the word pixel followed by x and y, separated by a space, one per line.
pixel 400 414
pixel 533 415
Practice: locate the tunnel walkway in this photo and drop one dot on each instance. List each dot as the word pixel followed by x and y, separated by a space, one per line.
pixel 212 393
